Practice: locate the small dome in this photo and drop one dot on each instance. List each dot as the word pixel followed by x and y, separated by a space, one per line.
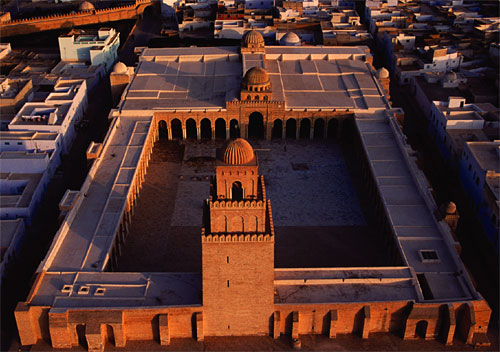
pixel 86 6
pixel 256 76
pixel 120 67
pixel 253 39
pixel 238 152
pixel 382 73
pixel 290 39
pixel 450 76
pixel 451 208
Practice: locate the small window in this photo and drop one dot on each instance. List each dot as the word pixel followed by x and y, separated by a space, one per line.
pixel 7 143
pixel 429 256
pixel 19 143
pixel 227 283
pixel 227 260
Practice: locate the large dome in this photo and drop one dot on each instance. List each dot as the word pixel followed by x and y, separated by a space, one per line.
pixel 238 152
pixel 120 67
pixel 253 39
pixel 290 39
pixel 86 6
pixel 256 77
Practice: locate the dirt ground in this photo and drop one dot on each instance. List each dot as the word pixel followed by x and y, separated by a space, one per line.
pixel 166 224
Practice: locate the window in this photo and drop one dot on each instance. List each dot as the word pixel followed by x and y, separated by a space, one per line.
pixel 227 260
pixel 227 283
pixel 7 143
pixel 19 143
pixel 83 290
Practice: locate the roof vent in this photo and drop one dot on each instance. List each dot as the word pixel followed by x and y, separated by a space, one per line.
pixel 429 256
pixel 100 291
pixel 67 289
pixel 84 290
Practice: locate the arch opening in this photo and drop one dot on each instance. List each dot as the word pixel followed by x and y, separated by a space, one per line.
pixel 162 129
pixel 206 129
pixel 176 127
pixel 348 130
pixel 319 129
pixel 291 128
pixel 234 129
pixel 237 191
pixel 277 129
pixel 333 125
pixel 305 129
pixel 421 329
pixel 191 129
pixel 220 128
pixel 256 126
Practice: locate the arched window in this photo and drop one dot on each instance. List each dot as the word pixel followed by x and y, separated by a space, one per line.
pixel 256 97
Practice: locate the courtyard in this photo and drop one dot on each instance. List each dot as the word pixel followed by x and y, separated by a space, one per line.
pixel 315 199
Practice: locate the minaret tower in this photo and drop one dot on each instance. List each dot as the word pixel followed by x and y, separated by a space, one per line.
pixel 237 247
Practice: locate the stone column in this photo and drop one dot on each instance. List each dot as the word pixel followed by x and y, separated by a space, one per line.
pixel 228 133
pixel 325 130
pixel 283 130
pixel 184 133
pixel 198 132
pixel 58 328
pixel 311 133
pixel 269 131
pixel 297 129
pixel 213 133
pixel 244 130
pixel 119 334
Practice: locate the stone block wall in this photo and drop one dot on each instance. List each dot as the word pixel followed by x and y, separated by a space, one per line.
pixel 238 285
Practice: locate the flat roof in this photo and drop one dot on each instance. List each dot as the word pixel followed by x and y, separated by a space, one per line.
pixel 302 77
pixel 486 154
pixel 408 210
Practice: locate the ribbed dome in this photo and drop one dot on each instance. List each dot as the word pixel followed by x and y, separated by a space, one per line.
pixel 451 208
pixel 238 152
pixel 120 67
pixel 290 39
pixel 256 76
pixel 382 73
pixel 253 38
pixel 86 6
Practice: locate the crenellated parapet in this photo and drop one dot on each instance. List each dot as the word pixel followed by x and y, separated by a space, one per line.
pixel 236 237
pixel 247 204
pixel 76 18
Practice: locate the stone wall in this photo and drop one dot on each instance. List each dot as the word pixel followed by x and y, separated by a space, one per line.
pixel 238 285
pixel 81 18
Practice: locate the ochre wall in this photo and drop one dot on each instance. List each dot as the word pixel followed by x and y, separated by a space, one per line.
pixel 246 306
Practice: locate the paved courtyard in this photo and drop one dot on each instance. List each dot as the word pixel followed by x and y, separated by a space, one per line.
pixel 316 211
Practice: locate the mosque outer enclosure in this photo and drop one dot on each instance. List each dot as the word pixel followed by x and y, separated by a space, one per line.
pixel 78 298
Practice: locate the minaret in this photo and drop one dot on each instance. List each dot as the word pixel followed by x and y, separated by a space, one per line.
pixel 237 247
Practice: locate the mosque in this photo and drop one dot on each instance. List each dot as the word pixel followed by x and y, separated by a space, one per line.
pixel 239 94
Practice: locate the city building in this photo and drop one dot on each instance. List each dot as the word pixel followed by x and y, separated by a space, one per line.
pixel 258 92
pixel 60 113
pixel 91 47
pixel 25 177
pixel 12 237
pixel 480 176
